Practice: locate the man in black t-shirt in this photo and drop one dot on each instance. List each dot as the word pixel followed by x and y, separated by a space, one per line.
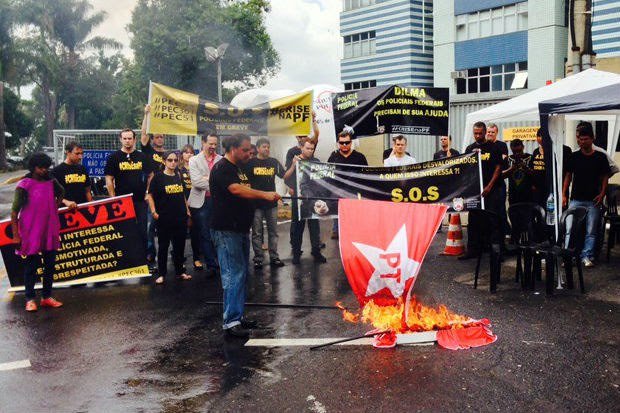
pixel 491 160
pixel 492 135
pixel 73 176
pixel 589 172
pixel 296 150
pixel 446 149
pixel 539 172
pixel 128 171
pixel 298 225
pixel 262 171
pixel 233 213
pixel 348 156
pixel 518 174
pixel 153 148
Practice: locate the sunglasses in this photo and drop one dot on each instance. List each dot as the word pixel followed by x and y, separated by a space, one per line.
pixel 344 143
pixel 172 160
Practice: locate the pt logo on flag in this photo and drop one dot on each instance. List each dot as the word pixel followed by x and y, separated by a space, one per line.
pixel 383 244
pixel 392 266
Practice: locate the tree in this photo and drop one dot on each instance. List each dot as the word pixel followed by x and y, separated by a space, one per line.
pixel 6 52
pixel 169 37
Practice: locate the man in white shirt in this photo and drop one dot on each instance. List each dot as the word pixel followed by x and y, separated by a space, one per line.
pixel 199 201
pixel 398 156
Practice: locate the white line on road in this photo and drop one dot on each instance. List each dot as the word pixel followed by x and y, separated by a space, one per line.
pixel 13 365
pixel 284 222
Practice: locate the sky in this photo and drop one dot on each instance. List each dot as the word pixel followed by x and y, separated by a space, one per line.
pixel 304 32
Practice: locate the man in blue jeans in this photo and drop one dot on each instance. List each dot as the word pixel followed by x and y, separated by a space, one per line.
pixel 231 220
pixel 588 170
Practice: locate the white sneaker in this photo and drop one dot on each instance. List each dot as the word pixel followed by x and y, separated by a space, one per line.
pixel 587 263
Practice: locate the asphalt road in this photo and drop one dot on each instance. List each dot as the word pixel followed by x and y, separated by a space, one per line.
pixel 137 347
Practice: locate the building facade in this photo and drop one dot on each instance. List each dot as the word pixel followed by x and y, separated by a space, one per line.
pixel 491 50
pixel 606 34
pixel 386 42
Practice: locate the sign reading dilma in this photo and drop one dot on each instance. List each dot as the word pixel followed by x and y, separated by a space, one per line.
pixel 393 109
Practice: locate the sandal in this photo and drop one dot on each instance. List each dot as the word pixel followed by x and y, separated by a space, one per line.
pixel 198 266
pixel 185 277
pixel 159 280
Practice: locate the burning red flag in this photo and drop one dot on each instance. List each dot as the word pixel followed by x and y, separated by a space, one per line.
pixel 383 244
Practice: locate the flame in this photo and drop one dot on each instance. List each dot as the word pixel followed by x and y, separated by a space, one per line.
pixel 419 317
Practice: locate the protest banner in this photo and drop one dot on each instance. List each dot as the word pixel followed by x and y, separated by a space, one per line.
pixel 175 112
pixel 99 242
pixel 452 181
pixel 393 109
pixel 94 161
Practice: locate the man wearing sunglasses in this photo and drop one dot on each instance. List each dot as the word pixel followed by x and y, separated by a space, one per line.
pixel 348 156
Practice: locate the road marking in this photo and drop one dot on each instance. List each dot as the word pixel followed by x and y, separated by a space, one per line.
pixel 8 297
pixel 14 365
pixel 284 222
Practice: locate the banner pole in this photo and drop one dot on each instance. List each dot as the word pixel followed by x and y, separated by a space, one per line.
pixel 148 118
pixel 481 183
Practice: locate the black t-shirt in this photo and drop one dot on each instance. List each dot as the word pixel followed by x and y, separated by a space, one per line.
pixel 355 158
pixel 490 156
pixel 230 212
pixel 262 175
pixel 74 179
pixel 187 181
pixel 520 181
pixel 587 171
pixel 292 180
pixel 155 157
pixel 290 154
pixel 130 171
pixel 444 154
pixel 167 192
pixel 537 165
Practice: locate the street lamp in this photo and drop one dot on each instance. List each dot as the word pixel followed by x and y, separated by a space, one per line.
pixel 216 55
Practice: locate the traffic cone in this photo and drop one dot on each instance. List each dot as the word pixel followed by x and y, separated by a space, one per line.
pixel 454 243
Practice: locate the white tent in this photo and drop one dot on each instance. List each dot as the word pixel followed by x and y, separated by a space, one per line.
pixel 525 107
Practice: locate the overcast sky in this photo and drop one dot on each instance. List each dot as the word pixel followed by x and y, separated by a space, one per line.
pixel 304 32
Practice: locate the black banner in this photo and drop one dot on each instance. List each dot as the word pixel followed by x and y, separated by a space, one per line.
pixel 451 181
pixel 99 242
pixel 393 109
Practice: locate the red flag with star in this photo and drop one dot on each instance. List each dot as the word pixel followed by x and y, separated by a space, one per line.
pixel 383 244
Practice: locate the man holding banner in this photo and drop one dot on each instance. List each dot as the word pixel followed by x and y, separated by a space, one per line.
pixel 491 160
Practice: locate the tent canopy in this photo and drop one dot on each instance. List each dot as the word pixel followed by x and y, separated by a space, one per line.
pixel 525 107
pixel 604 100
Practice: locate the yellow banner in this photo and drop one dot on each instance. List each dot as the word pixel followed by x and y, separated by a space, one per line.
pixel 525 133
pixel 175 112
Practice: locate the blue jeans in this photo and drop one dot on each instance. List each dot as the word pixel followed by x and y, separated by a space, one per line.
pixel 233 252
pixel 201 218
pixel 593 219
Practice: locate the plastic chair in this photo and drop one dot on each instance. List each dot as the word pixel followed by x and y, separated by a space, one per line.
pixel 612 217
pixel 490 231
pixel 528 233
pixel 568 249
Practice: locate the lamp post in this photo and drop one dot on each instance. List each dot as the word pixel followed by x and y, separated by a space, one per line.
pixel 216 55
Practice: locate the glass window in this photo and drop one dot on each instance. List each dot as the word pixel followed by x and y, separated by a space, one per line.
pixel 357 49
pixel 348 51
pixel 496 69
pixel 485 15
pixel 508 78
pixel 355 38
pixel 461 33
pixel 522 65
pixel 472 72
pixel 496 83
pixel 509 67
pixel 347 39
pixel 372 34
pixel 522 7
pixel 364 36
pixel 485 28
pixel 497 24
pixel 365 49
pixel 484 83
pixel 461 20
pixel 461 86
pixel 484 70
pixel 373 83
pixel 472 28
pixel 372 47
pixel 522 21
pixel 510 23
pixel 472 85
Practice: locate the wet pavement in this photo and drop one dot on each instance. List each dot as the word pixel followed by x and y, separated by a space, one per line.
pixel 137 347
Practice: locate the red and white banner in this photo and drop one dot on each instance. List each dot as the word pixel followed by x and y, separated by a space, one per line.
pixel 383 244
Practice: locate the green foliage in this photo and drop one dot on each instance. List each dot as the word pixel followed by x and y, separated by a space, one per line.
pixel 18 122
pixel 169 37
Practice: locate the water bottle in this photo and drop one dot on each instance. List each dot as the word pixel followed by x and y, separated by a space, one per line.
pixel 550 209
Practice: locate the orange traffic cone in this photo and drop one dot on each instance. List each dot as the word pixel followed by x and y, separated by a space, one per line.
pixel 454 243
